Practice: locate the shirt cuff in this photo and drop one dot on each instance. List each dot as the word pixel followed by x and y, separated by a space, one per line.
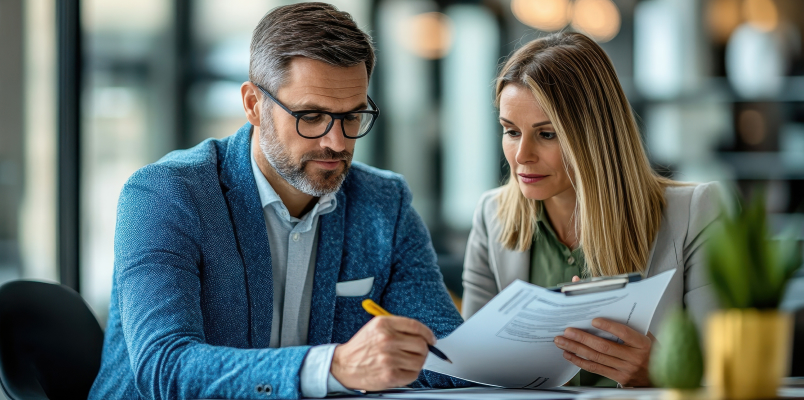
pixel 315 378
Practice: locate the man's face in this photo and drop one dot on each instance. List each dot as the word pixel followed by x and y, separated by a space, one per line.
pixel 313 166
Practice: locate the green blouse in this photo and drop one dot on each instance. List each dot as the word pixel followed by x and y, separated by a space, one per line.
pixel 552 263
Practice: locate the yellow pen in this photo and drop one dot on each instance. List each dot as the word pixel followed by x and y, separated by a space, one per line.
pixel 374 309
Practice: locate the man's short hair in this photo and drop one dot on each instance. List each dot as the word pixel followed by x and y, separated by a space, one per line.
pixel 313 30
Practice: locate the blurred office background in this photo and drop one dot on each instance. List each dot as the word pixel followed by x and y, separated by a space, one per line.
pixel 91 92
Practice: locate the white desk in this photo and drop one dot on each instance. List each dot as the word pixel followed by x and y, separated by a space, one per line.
pixel 568 393
pixel 564 393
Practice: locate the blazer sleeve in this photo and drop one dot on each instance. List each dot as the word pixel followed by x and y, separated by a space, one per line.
pixel 416 287
pixel 705 217
pixel 479 285
pixel 157 258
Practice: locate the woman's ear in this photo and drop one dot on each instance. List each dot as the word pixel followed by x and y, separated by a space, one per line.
pixel 252 102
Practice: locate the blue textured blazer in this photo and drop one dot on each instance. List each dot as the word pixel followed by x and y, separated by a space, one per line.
pixel 191 307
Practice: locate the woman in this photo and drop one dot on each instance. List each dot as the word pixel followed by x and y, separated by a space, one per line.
pixel 582 200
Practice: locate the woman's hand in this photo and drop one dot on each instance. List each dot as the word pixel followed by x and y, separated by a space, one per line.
pixel 626 363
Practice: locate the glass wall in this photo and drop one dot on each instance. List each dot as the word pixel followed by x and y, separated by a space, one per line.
pixel 11 161
pixel 128 118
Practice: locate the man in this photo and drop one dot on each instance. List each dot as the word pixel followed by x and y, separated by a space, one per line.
pixel 241 264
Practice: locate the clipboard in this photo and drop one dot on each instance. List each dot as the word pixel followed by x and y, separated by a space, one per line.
pixel 596 284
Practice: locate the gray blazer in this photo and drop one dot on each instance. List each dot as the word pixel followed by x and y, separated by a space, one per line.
pixel 689 217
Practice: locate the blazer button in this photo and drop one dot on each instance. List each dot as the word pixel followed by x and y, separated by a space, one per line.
pixel 268 390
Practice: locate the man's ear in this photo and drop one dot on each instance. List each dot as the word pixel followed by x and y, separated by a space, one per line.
pixel 251 102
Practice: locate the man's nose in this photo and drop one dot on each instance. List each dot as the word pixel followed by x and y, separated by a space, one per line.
pixel 334 139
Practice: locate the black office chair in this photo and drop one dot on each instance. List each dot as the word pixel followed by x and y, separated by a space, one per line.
pixel 797 369
pixel 50 342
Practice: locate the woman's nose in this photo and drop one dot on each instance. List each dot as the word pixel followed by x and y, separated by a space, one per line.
pixel 525 153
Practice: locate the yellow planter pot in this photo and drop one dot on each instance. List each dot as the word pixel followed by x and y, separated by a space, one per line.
pixel 747 353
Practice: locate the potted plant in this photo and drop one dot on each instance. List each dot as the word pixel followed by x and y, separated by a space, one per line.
pixel 677 362
pixel 749 341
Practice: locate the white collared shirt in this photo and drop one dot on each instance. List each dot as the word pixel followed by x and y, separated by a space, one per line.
pixel 293 243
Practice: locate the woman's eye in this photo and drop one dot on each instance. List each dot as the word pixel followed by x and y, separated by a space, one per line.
pixel 512 133
pixel 548 135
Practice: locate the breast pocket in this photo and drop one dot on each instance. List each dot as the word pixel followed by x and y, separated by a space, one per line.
pixel 356 288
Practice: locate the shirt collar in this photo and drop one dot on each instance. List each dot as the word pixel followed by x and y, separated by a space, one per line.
pixel 543 227
pixel 540 214
pixel 542 223
pixel 268 197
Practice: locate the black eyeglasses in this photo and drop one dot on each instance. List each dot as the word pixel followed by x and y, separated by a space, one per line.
pixel 313 124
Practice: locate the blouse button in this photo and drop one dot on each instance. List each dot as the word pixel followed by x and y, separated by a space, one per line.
pixel 571 260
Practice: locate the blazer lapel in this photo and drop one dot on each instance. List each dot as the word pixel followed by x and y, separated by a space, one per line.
pixel 664 254
pixel 327 269
pixel 510 266
pixel 507 265
pixel 248 222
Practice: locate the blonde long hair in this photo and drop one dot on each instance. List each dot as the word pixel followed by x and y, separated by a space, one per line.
pixel 619 196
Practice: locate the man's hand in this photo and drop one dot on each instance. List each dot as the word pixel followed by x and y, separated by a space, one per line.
pixel 387 352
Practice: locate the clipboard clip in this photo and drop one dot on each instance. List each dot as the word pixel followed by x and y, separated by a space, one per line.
pixel 596 284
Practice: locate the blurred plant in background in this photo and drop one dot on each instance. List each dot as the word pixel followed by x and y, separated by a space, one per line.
pixel 749 342
pixel 749 269
pixel 677 362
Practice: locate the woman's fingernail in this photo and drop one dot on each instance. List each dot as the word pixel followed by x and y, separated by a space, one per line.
pixel 560 341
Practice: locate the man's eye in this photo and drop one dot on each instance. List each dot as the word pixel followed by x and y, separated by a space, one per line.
pixel 311 118
pixel 352 117
pixel 548 135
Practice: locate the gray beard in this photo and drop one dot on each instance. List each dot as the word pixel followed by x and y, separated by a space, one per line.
pixel 294 172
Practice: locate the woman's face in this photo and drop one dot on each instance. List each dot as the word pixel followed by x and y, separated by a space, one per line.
pixel 531 146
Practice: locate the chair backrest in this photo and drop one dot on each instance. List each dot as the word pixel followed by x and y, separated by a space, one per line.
pixel 797 369
pixel 50 342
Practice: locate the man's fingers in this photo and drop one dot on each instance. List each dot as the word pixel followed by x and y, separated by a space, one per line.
pixel 403 377
pixel 410 327
pixel 412 344
pixel 409 361
pixel 629 336
pixel 395 358
pixel 591 354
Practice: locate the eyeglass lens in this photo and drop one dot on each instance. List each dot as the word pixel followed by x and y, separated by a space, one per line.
pixel 315 124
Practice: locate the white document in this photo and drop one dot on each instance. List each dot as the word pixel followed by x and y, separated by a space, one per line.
pixel 509 342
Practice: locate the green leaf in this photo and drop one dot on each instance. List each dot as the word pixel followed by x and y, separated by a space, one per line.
pixel 747 268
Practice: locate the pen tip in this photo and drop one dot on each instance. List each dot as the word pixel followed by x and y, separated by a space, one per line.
pixel 448 360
